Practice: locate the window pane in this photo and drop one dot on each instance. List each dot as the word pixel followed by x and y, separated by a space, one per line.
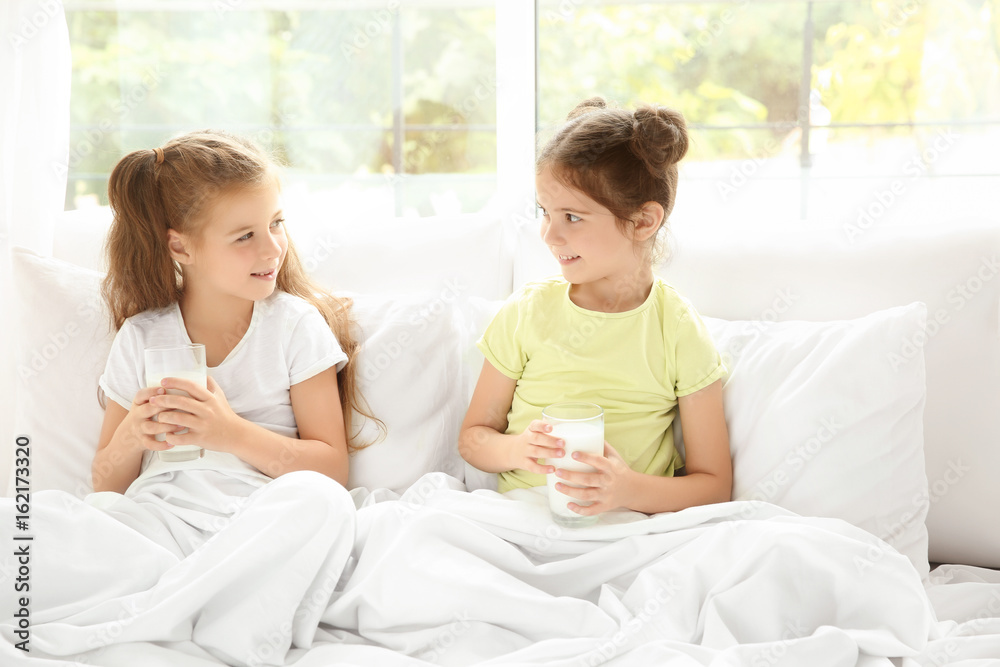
pixel 888 82
pixel 450 66
pixel 340 95
pixel 908 62
pixel 717 63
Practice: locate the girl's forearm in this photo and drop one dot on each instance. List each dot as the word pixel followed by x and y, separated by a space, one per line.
pixel 275 454
pixel 116 465
pixel 651 494
pixel 486 448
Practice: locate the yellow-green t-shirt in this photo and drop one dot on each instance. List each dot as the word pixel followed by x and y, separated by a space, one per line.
pixel 633 364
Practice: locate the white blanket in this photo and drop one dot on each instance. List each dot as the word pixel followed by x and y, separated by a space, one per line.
pixel 217 567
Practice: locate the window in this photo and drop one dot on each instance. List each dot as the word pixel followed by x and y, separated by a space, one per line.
pixel 850 110
pixel 387 108
pixel 855 111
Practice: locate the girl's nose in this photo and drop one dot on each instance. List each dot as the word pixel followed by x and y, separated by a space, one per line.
pixel 272 248
pixel 550 233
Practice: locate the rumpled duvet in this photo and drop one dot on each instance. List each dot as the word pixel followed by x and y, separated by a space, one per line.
pixel 221 566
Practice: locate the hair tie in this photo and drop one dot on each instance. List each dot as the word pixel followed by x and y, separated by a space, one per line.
pixel 159 155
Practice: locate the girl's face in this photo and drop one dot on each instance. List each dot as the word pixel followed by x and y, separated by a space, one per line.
pixel 241 245
pixel 583 236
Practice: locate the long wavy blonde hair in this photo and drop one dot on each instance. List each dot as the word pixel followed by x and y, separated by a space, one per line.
pixel 170 187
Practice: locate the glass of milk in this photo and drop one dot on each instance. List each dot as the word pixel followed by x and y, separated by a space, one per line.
pixel 176 361
pixel 581 427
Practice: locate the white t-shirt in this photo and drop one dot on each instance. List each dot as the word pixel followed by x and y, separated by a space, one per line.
pixel 287 342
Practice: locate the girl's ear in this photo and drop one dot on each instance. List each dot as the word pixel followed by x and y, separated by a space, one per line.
pixel 648 220
pixel 179 247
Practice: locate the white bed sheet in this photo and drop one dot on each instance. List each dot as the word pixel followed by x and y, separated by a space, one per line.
pixel 216 567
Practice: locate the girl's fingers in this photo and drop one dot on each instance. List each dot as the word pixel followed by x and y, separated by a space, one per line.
pixel 536 467
pixel 595 460
pixel 148 410
pixel 587 510
pixel 183 439
pixel 576 492
pixel 157 445
pixel 539 452
pixel 170 402
pixel 178 419
pixel 588 479
pixel 143 395
pixel 538 426
pixel 194 389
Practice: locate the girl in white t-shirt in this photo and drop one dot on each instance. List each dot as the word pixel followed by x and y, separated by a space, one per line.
pixel 608 332
pixel 197 253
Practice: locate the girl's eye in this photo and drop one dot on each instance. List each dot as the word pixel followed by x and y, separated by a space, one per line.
pixel 277 223
pixel 245 237
pixel 573 218
pixel 545 213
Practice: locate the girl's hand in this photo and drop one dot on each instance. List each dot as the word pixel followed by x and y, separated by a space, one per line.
pixel 211 423
pixel 608 488
pixel 138 428
pixel 536 443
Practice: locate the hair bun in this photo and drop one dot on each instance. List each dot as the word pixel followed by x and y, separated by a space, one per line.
pixel 586 106
pixel 659 137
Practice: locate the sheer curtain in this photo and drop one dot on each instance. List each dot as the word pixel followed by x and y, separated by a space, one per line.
pixel 34 152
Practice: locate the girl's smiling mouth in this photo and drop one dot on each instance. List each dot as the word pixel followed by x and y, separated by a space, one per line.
pixel 266 275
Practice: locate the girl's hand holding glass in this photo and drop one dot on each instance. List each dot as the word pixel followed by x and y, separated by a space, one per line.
pixel 606 489
pixel 205 413
pixel 139 427
pixel 536 443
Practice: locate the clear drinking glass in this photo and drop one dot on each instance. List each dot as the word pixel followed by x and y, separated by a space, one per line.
pixel 176 361
pixel 581 427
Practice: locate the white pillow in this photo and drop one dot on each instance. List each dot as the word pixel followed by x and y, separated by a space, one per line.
pixel 410 373
pixel 825 420
pixel 821 275
pixel 410 370
pixel 63 340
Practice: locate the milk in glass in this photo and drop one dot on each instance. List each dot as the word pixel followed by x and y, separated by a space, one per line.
pixel 184 362
pixel 581 427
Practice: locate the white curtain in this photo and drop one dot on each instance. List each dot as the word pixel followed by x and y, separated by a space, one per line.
pixel 34 154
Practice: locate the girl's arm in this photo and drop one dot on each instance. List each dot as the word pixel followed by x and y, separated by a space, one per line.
pixel 322 441
pixel 482 441
pixel 708 466
pixel 125 435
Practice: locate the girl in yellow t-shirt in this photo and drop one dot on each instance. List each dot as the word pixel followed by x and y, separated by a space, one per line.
pixel 608 331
